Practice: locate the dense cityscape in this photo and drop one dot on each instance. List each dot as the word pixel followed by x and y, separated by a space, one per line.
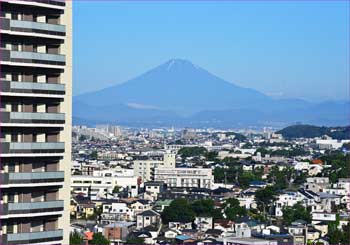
pixel 195 186
pixel 185 122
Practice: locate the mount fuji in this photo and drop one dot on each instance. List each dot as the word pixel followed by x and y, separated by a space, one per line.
pixel 181 93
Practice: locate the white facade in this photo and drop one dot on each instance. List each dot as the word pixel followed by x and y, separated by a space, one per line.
pixel 185 177
pixel 145 168
pixel 101 185
pixel 118 211
pixel 318 216
pixel 288 199
pixel 331 143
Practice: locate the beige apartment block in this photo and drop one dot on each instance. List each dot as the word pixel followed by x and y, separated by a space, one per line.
pixel 36 112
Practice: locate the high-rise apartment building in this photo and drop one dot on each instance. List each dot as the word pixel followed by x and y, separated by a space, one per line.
pixel 35 116
pixel 144 166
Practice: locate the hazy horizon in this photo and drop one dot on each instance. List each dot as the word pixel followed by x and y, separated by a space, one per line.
pixel 282 49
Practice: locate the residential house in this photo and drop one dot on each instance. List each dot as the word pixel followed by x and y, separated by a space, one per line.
pixel 147 218
pixel 203 222
pixel 118 231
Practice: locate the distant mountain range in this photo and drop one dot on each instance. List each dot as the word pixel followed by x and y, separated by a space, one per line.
pixel 179 93
pixel 310 131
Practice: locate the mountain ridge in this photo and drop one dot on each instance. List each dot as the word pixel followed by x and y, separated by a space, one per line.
pixel 179 91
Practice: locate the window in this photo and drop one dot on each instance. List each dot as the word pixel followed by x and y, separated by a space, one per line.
pixel 37 225
pixel 15 107
pixel 14 16
pixel 10 226
pixel 11 197
pixel 12 168
pixel 14 137
pixel 15 47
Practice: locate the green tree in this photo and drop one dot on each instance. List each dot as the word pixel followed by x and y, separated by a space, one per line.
pixel 263 151
pixel 335 236
pixel 179 210
pixel 233 210
pixel 206 207
pixel 75 238
pixel 281 178
pixel 98 238
pixel 230 161
pixel 211 156
pixel 216 213
pixel 247 146
pixel 116 189
pixel 82 138
pixel 219 175
pixel 93 155
pixel 203 206
pixel 346 234
pixel 340 167
pixel 300 178
pixel 245 177
pixel 298 211
pixel 265 197
pixel 135 240
pixel 192 151
pixel 229 174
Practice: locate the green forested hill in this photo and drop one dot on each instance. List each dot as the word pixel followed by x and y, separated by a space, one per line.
pixel 310 131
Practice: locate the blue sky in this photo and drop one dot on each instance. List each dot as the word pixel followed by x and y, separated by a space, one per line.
pixel 285 49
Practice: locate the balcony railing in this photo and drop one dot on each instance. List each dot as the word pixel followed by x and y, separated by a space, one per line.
pixel 32 57
pixel 32 237
pixel 32 117
pixel 37 26
pixel 32 87
pixel 32 26
pixel 32 207
pixel 32 147
pixel 32 177
pixel 51 2
pixel 37 56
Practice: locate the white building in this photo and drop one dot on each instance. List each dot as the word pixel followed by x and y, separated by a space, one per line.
pixel 102 186
pixel 330 143
pixel 185 177
pixel 287 199
pixel 144 168
pixel 247 240
pixel 318 217
pixel 117 211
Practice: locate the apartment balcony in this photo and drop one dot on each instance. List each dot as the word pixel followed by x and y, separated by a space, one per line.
pixel 26 178
pixel 32 27
pixel 52 2
pixel 31 147
pixel 32 117
pixel 59 4
pixel 32 207
pixel 32 87
pixel 35 58
pixel 32 237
